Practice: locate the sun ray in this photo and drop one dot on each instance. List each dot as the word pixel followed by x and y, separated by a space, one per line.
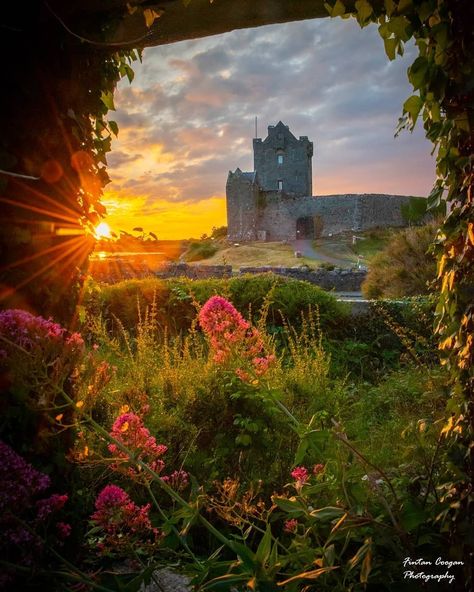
pixel 38 210
pixel 38 254
pixel 10 290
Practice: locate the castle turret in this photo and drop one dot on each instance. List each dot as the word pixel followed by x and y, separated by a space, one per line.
pixel 242 193
pixel 282 162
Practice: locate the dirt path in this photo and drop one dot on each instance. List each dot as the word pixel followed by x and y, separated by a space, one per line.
pixel 307 249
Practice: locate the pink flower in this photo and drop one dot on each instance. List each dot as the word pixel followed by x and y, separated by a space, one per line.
pixel 232 337
pixel 178 480
pixel 123 523
pixel 300 475
pixel 128 429
pixel 49 505
pixel 63 529
pixel 291 525
pixel 317 469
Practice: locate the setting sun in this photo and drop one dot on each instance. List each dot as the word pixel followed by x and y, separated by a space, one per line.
pixel 102 230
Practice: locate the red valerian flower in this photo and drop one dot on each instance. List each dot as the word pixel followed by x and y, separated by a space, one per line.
pixel 128 429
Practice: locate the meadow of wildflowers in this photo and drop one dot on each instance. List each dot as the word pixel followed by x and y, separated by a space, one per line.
pixel 234 451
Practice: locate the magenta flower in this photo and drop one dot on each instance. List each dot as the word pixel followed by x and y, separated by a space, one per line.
pixel 21 501
pixel 128 429
pixel 123 524
pixel 232 337
pixel 178 480
pixel 291 525
pixel 300 475
pixel 317 469
pixel 63 530
pixel 50 505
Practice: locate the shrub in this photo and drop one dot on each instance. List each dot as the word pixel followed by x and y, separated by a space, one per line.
pixel 200 250
pixel 404 267
pixel 175 308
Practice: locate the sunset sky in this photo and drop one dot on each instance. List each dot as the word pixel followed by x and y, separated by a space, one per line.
pixel 188 118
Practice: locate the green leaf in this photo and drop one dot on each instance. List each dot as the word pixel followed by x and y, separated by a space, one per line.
pixel 290 505
pixel 107 98
pixel 425 11
pixel 327 514
pixel 151 15
pixel 337 10
pixel 412 515
pixel 264 548
pixel 243 439
pixel 400 27
pixel 225 582
pixel 384 31
pixel 403 5
pixel 364 11
pixel 301 451
pixel 361 553
pixel 308 575
pixel 247 557
pixel 417 72
pixel 412 106
pixel 390 48
pixel 114 128
pixel 389 7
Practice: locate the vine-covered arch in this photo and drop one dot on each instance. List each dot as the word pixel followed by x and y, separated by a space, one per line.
pixel 61 64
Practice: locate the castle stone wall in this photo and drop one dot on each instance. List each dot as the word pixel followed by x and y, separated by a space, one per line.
pixel 242 206
pixel 275 203
pixel 332 214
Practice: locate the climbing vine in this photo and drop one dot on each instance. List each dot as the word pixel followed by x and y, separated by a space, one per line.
pixel 56 134
pixel 442 77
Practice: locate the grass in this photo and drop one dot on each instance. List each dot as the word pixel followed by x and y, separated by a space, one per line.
pixel 258 254
pixel 372 242
pixel 339 248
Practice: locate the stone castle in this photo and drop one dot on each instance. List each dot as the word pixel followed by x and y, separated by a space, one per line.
pixel 276 202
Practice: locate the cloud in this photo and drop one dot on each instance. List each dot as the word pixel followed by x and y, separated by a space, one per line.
pixel 188 117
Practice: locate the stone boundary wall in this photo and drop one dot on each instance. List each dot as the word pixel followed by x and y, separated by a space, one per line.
pixel 194 272
pixel 339 280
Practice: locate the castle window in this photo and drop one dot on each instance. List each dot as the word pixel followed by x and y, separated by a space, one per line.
pixel 280 159
pixel 280 185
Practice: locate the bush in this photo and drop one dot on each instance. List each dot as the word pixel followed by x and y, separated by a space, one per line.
pixel 404 267
pixel 175 300
pixel 200 250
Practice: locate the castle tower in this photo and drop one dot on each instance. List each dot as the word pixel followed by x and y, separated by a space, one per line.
pixel 283 163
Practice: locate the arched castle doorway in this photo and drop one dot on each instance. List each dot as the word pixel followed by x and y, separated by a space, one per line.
pixel 305 228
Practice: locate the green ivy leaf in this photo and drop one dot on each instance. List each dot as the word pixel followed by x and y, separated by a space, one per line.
pixel 337 10
pixel 390 48
pixel 107 97
pixel 404 5
pixel 389 7
pixel 400 27
pixel 364 11
pixel 417 72
pixel 412 106
pixel 114 127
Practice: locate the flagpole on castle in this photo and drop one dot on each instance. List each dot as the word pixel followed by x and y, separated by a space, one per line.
pixel 255 126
